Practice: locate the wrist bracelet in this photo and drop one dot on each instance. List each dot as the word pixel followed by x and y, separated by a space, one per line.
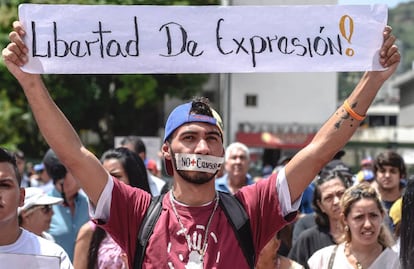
pixel 351 112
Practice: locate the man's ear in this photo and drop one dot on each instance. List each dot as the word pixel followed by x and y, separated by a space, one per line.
pixel 22 195
pixel 165 149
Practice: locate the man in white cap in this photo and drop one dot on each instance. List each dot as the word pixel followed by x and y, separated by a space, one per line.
pixel 36 213
pixel 193 230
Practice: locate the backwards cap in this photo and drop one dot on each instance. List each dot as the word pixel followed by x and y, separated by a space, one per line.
pixel 182 115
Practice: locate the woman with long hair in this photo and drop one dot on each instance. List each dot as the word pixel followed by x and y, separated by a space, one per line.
pixel 367 240
pixel 407 227
pixel 329 188
pixel 94 247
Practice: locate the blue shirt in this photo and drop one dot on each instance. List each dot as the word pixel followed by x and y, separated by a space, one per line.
pixel 306 204
pixel 64 227
pixel 222 183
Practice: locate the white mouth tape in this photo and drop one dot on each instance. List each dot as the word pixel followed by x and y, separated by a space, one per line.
pixel 197 162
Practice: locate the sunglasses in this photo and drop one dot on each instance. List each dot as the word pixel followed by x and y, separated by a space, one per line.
pixel 358 193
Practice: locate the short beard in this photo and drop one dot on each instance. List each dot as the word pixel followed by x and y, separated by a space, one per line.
pixel 198 178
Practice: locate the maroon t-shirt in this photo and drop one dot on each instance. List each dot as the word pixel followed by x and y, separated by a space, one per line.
pixel 168 247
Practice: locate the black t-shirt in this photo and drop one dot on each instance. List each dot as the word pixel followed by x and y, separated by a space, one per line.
pixel 309 241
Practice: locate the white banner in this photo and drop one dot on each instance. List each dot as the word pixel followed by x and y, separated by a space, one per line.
pixel 202 39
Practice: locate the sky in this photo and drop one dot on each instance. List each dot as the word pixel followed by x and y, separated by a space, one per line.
pixel 390 3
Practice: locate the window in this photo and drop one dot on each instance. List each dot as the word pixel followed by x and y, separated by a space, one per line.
pixel 392 121
pixel 378 120
pixel 251 100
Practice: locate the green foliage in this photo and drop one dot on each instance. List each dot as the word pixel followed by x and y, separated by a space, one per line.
pixel 140 88
pixel 401 18
pixel 346 83
pixel 7 15
pixel 8 116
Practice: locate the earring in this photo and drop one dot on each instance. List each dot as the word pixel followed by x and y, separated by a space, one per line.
pixel 346 228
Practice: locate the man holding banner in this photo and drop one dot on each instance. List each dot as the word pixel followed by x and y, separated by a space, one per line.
pixel 193 230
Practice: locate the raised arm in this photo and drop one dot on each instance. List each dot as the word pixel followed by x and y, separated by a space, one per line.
pixel 339 128
pixel 53 124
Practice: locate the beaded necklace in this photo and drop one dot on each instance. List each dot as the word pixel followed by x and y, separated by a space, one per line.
pixel 196 256
pixel 348 253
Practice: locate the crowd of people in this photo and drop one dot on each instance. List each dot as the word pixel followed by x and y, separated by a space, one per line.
pixel 90 211
pixel 317 233
pixel 341 211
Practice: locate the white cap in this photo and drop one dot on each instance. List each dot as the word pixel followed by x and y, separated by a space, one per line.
pixel 35 196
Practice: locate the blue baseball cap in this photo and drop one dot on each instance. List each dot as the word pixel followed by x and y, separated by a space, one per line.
pixel 181 115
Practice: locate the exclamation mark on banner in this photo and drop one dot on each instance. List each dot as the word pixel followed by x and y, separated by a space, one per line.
pixel 346 26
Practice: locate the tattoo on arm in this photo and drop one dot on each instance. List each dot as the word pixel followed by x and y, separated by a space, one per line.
pixel 342 118
pixel 354 105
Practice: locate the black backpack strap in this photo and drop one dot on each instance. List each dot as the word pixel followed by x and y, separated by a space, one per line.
pixel 233 209
pixel 239 220
pixel 146 229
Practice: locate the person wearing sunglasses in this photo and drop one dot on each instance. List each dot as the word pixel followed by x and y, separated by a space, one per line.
pixel 36 213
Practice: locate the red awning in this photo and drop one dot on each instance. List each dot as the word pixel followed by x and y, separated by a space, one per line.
pixel 269 140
